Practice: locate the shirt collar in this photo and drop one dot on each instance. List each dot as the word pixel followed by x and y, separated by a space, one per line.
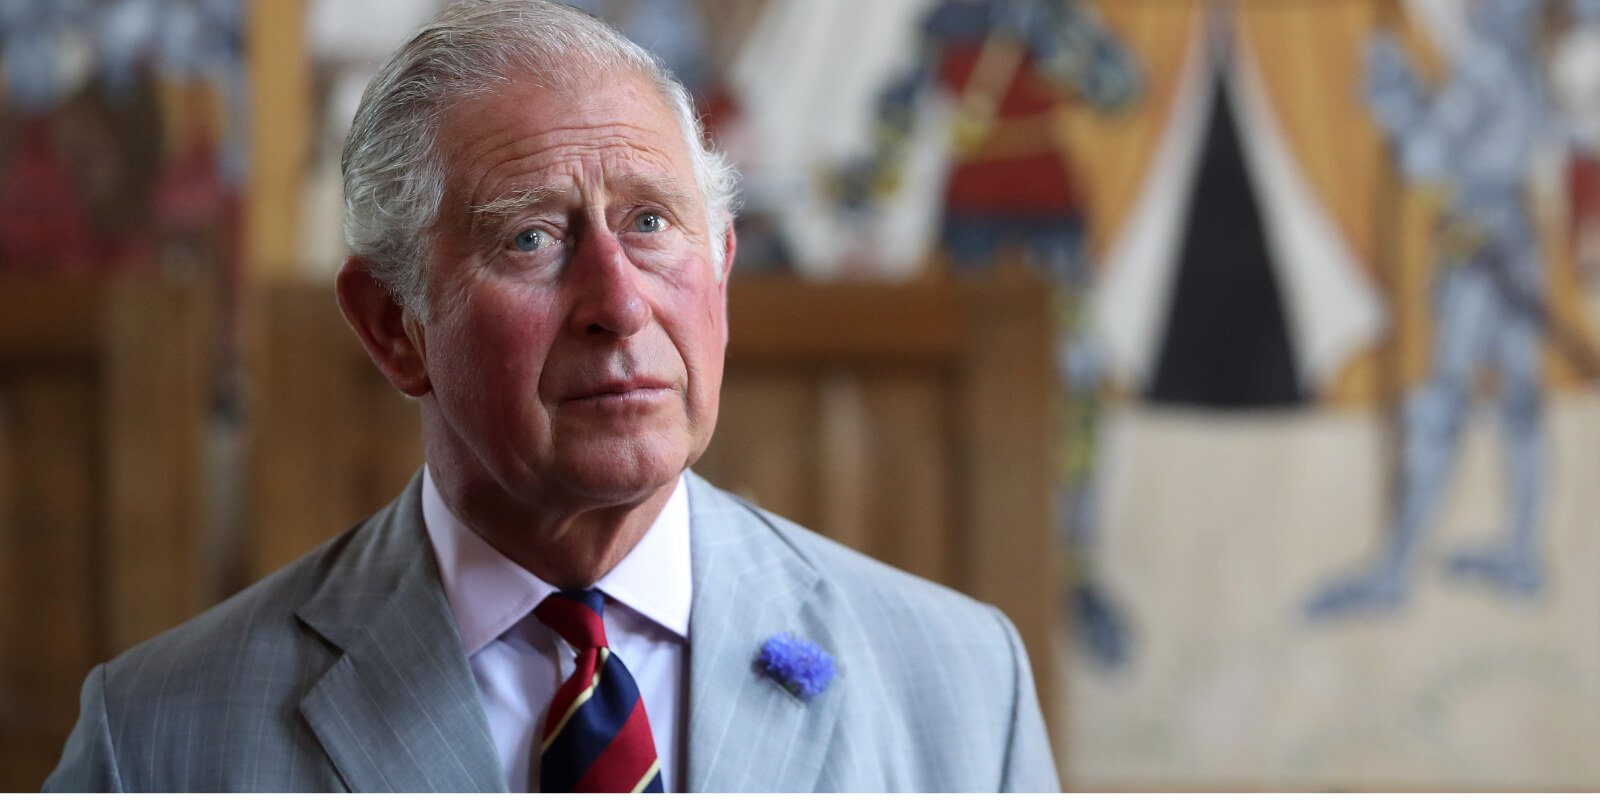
pixel 489 592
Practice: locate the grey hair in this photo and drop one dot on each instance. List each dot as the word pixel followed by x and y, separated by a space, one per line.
pixel 393 176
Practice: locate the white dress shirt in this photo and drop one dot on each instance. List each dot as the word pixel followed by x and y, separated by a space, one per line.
pixel 519 662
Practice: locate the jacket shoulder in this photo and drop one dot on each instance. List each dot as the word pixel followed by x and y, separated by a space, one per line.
pixel 250 626
pixel 212 703
pixel 253 623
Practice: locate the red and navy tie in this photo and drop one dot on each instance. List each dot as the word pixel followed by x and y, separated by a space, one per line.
pixel 596 736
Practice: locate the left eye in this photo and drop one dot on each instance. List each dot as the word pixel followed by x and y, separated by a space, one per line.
pixel 649 223
pixel 531 239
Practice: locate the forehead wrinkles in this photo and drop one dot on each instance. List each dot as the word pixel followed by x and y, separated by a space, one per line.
pixel 582 158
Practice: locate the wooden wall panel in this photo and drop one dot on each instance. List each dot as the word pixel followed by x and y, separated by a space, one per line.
pixel 297 453
pixel 864 455
pixel 914 467
pixel 765 448
pixel 103 390
pixel 156 365
pixel 51 630
pixel 1006 395
pixel 331 440
pixel 392 427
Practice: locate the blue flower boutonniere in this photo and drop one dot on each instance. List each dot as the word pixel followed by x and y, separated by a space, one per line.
pixel 797 664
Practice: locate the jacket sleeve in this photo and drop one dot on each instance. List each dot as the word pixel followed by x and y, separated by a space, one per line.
pixel 1029 763
pixel 89 763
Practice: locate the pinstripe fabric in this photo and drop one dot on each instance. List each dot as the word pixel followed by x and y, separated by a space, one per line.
pixel 345 672
pixel 934 692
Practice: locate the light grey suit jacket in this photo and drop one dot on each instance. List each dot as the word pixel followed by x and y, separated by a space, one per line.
pixel 345 671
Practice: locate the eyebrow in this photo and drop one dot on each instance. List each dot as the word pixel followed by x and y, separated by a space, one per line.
pixel 491 214
pixel 664 190
pixel 667 191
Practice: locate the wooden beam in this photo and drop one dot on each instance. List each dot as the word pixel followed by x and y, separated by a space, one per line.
pixel 787 319
pixel 280 136
pixel 1010 480
pixel 48 318
pixel 155 382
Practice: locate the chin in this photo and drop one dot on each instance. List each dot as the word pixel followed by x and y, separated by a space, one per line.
pixel 621 474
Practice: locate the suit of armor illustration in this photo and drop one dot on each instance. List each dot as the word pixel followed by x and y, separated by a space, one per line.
pixel 1474 136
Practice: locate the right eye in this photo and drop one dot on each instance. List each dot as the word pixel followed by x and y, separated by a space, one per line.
pixel 531 239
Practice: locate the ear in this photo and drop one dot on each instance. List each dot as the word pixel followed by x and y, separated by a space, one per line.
pixel 394 339
pixel 730 247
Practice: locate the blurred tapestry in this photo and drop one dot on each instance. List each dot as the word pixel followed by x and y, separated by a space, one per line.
pixel 1347 508
pixel 124 146
pixel 1328 274
pixel 122 135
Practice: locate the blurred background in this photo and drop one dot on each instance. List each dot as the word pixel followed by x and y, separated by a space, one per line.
pixel 1243 352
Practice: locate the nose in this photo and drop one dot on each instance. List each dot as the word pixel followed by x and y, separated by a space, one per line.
pixel 608 296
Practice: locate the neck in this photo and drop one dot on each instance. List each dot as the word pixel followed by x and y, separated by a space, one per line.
pixel 568 545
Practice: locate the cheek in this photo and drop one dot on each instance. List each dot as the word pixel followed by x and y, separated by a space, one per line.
pixel 703 317
pixel 502 339
pixel 717 317
pixel 693 274
pixel 699 296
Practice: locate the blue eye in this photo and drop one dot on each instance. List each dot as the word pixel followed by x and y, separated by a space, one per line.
pixel 531 240
pixel 649 223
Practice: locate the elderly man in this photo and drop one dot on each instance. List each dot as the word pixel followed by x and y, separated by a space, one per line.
pixel 541 251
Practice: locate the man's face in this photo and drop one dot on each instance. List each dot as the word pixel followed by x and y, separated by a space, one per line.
pixel 577 322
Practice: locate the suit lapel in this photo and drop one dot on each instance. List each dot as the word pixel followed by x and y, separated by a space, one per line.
pixel 746 733
pixel 399 711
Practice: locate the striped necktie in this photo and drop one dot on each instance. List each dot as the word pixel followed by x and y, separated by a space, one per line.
pixel 596 736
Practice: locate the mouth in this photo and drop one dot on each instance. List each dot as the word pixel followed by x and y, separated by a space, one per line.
pixel 621 393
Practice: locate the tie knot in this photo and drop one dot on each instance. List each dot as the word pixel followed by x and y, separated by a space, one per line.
pixel 576 617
